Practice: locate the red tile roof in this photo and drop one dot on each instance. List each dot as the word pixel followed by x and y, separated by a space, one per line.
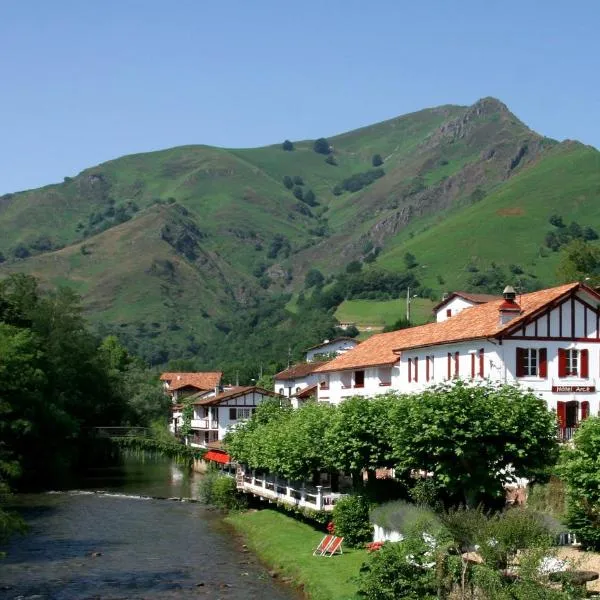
pixel 478 322
pixel 235 392
pixel 217 456
pixel 307 392
pixel 475 298
pixel 202 380
pixel 300 370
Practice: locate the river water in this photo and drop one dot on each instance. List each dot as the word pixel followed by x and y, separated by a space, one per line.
pixel 122 543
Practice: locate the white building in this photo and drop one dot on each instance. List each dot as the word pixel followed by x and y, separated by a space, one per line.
pixel 337 346
pixel 547 341
pixel 296 378
pixel 453 303
pixel 180 385
pixel 216 413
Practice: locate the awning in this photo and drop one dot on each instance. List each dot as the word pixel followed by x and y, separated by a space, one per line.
pixel 216 456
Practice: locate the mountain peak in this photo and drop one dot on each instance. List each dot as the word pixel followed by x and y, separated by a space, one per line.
pixel 489 105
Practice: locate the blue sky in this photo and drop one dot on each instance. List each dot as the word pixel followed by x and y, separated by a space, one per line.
pixel 85 82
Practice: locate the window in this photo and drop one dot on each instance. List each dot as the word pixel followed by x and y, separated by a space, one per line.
pixel 573 362
pixel 448 312
pixel 359 379
pixel 429 368
pixel 532 362
pixel 324 384
pixel 282 391
pixel 385 376
pixel 298 389
pixel 346 379
pixel 239 414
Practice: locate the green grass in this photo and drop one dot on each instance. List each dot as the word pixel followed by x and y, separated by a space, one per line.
pixel 378 313
pixel 286 545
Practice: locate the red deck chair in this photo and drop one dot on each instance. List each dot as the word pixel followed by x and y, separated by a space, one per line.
pixel 325 542
pixel 335 547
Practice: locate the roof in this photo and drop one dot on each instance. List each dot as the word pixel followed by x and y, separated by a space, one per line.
pixel 201 380
pixel 343 338
pixel 478 322
pixel 474 298
pixel 235 392
pixel 299 370
pixel 217 456
pixel 307 392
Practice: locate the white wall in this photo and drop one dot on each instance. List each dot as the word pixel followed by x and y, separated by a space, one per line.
pixel 289 385
pixel 455 305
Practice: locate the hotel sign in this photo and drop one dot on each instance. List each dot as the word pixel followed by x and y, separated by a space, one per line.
pixel 578 389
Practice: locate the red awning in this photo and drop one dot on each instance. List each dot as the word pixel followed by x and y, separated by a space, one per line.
pixel 216 456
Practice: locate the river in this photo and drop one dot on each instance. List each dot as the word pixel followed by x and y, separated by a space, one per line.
pixel 122 543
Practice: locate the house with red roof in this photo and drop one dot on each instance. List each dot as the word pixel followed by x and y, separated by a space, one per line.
pixel 547 341
pixel 180 385
pixel 453 303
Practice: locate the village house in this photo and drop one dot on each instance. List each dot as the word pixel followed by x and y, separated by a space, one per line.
pixel 181 385
pixel 327 348
pixel 295 379
pixel 547 341
pixel 217 412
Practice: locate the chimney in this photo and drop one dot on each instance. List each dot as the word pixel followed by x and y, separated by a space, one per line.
pixel 509 309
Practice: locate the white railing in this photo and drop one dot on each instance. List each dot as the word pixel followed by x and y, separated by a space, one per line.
pixel 204 424
pixel 279 490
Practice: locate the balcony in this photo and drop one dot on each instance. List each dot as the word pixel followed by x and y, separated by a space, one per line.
pixel 204 424
pixel 565 434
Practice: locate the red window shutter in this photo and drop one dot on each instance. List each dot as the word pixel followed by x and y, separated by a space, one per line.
pixel 520 358
pixel 481 362
pixel 409 370
pixel 561 413
pixel 562 362
pixel 427 359
pixel 543 362
pixel 585 410
pixel 473 366
pixel 449 365
pixel 456 355
pixel 416 370
pixel 584 370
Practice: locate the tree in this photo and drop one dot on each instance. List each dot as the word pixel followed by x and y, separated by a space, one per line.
pixel 298 180
pixel 310 199
pixel 579 471
pixel 288 182
pixel 321 146
pixel 287 146
pixel 377 161
pixel 314 278
pixel 356 439
pixel 354 266
pixel 410 260
pixel 579 261
pixel 473 438
pixel 401 323
pixel 557 221
pixel 298 192
pixel 2 258
pixel 330 160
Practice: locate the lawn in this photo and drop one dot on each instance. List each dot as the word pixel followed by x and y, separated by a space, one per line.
pixel 378 313
pixel 286 545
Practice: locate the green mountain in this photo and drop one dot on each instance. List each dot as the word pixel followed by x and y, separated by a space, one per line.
pixel 177 247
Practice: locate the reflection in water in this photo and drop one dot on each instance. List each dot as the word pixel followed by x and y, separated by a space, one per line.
pixel 85 545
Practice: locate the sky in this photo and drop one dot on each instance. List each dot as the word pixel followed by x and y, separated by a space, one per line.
pixel 84 82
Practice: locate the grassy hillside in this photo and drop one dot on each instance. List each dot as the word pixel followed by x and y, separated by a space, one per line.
pixel 175 247
pixel 379 313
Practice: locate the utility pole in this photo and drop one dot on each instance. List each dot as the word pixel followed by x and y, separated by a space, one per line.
pixel 408 304
pixel 289 357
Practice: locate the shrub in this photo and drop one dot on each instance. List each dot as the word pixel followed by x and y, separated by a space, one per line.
pixel 310 199
pixel 321 146
pixel 220 490
pixel 330 160
pixel 377 161
pixel 360 180
pixel 288 182
pixel 298 180
pixel 400 570
pixel 337 190
pixel 351 519
pixel 287 146
pixel 299 193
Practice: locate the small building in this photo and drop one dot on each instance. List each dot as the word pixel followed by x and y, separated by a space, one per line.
pixel 180 385
pixel 455 302
pixel 327 348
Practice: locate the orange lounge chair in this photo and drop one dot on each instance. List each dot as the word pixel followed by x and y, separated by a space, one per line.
pixel 335 547
pixel 325 542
